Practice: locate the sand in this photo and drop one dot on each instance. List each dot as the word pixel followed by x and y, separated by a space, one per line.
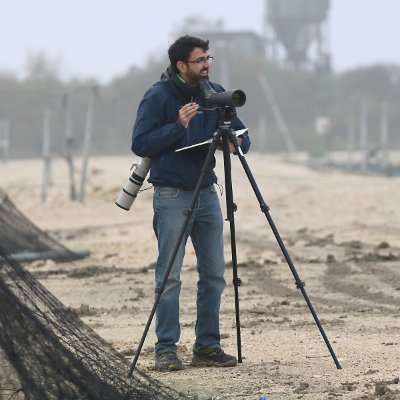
pixel 341 230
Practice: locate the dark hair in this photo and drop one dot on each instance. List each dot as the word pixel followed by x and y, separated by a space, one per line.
pixel 181 49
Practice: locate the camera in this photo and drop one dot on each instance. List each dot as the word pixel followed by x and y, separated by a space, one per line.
pixel 230 98
pixel 130 191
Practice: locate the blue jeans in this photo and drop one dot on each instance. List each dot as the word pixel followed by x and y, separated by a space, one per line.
pixel 205 229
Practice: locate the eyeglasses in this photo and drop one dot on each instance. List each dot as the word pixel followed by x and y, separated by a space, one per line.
pixel 202 60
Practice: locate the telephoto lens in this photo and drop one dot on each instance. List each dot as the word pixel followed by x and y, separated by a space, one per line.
pixel 130 191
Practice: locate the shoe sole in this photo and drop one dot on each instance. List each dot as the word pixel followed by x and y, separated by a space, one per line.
pixel 169 368
pixel 199 362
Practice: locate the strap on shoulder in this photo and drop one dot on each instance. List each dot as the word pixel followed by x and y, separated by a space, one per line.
pixel 167 74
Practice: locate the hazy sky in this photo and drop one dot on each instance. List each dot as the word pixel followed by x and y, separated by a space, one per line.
pixel 103 38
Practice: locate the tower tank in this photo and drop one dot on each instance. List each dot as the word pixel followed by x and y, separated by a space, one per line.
pixel 295 25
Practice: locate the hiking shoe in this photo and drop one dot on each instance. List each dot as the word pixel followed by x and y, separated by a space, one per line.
pixel 212 357
pixel 167 361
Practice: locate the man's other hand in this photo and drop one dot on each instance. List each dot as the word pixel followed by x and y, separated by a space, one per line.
pixel 187 112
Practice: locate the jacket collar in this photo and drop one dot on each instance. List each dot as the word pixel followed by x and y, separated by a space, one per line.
pixel 187 92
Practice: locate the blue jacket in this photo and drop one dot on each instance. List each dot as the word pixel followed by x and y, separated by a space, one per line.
pixel 157 133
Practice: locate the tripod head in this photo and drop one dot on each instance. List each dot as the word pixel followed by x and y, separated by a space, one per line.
pixel 225 114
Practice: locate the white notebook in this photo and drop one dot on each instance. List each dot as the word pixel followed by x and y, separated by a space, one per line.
pixel 237 133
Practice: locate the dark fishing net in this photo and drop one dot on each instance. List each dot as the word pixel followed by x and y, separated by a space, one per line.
pixel 49 353
pixel 20 236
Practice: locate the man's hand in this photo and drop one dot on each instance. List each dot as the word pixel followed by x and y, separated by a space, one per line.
pixel 220 146
pixel 187 112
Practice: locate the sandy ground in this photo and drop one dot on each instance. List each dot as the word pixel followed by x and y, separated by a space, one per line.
pixel 342 232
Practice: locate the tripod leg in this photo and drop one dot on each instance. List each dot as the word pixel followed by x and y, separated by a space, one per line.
pixel 265 209
pixel 230 209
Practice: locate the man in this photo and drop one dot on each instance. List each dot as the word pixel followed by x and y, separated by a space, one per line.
pixel 169 118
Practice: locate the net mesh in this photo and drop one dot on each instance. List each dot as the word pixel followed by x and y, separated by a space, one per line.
pixel 19 235
pixel 46 351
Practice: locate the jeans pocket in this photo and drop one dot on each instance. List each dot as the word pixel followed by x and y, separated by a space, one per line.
pixel 166 192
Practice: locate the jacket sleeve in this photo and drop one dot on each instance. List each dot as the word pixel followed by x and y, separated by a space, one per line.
pixel 152 133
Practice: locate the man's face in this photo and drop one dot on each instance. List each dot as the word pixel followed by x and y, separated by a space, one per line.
pixel 196 67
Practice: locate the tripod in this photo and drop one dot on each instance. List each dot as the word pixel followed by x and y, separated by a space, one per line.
pixel 226 135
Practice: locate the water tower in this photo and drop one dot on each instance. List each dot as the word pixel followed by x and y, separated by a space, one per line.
pixel 299 28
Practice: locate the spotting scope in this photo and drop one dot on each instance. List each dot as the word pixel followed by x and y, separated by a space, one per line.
pixel 230 98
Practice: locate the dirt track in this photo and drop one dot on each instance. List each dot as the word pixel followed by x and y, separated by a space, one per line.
pixel 342 232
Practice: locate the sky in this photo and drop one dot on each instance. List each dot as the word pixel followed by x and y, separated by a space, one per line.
pixel 104 38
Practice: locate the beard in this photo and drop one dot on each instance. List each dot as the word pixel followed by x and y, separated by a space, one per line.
pixel 194 77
